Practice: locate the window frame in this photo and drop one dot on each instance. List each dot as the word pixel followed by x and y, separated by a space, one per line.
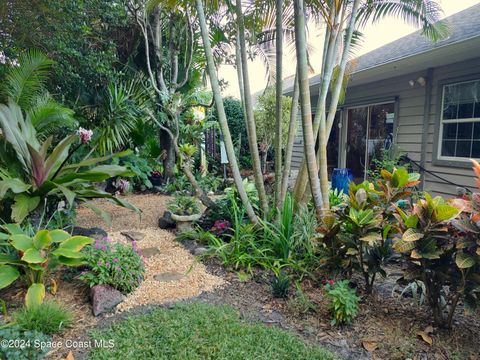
pixel 439 159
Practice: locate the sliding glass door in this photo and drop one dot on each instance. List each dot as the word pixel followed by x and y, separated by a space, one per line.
pixel 369 132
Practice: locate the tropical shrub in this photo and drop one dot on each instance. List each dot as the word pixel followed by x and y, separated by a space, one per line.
pixel 358 236
pixel 139 167
pixel 21 343
pixel 32 256
pixel 343 301
pixel 183 205
pixel 120 266
pixel 45 173
pixel 48 318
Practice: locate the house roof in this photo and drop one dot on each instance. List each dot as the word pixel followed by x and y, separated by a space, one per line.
pixel 462 26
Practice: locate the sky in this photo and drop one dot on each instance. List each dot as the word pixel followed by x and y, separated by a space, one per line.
pixel 375 35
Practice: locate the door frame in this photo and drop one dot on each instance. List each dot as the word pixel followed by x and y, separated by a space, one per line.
pixel 368 104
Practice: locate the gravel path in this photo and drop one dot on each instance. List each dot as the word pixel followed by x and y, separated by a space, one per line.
pixel 172 273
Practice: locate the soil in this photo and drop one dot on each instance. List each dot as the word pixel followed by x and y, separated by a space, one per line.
pixel 387 325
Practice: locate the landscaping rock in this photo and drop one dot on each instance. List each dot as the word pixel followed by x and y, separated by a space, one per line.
pixel 169 276
pixel 149 252
pixel 104 298
pixel 133 235
pixel 94 233
pixel 200 251
pixel 166 221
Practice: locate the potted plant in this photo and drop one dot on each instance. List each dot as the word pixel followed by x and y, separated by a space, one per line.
pixel 155 178
pixel 185 211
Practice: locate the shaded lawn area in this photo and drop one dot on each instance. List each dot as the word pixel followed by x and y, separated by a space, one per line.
pixel 200 331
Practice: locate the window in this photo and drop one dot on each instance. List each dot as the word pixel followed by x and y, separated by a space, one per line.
pixel 460 121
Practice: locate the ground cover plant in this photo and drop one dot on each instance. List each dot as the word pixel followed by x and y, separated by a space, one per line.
pixel 199 331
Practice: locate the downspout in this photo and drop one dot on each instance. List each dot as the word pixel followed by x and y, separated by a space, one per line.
pixel 426 122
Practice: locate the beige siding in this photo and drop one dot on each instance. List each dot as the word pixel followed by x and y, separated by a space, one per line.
pixel 410 118
pixel 458 175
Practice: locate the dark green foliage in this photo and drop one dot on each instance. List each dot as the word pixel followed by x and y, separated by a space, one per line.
pixel 139 166
pixel 183 205
pixel 87 48
pixel 25 348
pixel 117 265
pixel 343 302
pixel 201 331
pixel 48 318
pixel 281 285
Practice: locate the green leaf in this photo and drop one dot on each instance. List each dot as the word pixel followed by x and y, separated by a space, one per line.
pixel 446 212
pixel 8 274
pixel 71 261
pixel 400 177
pixel 69 194
pixel 17 186
pixel 21 242
pixel 403 246
pixel 4 236
pixel 9 259
pixel 412 235
pixel 42 239
pixel 13 229
pixel 59 235
pixel 35 295
pixel 22 206
pixel 76 243
pixel 104 214
pixel 412 221
pixel 464 261
pixel 68 253
pixel 33 256
pixel 372 237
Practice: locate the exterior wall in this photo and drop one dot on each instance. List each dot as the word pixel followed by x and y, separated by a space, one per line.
pixel 414 125
pixel 456 172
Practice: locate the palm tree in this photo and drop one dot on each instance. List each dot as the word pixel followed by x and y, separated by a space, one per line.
pixel 305 106
pixel 278 103
pixel 25 85
pixel 248 106
pixel 222 118
pixel 343 19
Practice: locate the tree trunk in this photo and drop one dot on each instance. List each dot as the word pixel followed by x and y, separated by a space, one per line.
pixel 305 106
pixel 168 153
pixel 278 103
pixel 330 49
pixel 292 132
pixel 252 132
pixel 222 118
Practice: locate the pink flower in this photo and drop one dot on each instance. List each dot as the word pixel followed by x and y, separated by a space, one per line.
pixel 330 282
pixel 85 135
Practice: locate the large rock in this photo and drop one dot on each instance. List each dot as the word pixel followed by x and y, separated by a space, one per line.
pixel 104 298
pixel 133 235
pixel 166 221
pixel 94 233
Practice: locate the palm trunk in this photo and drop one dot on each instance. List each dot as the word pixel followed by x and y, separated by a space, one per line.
pixel 278 103
pixel 252 132
pixel 222 118
pixel 305 106
pixel 332 42
pixel 292 132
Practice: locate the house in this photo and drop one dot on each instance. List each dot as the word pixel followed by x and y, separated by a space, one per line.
pixel 423 96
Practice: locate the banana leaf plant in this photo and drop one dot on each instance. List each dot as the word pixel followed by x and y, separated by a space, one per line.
pixel 32 256
pixel 46 173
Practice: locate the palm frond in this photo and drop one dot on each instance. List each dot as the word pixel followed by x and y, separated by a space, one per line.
pixel 424 14
pixel 46 115
pixel 25 82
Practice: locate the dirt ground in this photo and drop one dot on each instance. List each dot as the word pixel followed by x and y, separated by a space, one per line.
pixel 387 326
